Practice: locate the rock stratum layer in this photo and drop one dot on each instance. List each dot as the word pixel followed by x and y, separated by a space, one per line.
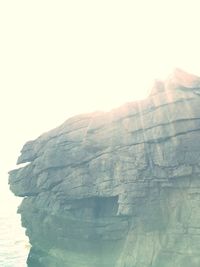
pixel 117 189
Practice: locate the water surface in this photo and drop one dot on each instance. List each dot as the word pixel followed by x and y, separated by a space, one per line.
pixel 14 246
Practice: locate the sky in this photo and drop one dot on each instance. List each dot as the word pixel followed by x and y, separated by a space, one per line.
pixel 61 58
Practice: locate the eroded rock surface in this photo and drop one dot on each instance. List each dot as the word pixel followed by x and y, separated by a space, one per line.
pixel 117 189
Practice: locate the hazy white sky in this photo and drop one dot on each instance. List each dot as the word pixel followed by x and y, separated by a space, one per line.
pixel 59 58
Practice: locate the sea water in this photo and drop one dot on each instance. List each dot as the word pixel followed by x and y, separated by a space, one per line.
pixel 14 245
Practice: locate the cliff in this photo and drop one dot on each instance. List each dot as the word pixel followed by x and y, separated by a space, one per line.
pixel 117 189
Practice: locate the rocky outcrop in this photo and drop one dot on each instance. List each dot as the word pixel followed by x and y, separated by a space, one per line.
pixel 117 189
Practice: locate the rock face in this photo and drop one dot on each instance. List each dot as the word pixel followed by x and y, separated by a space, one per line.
pixel 117 189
